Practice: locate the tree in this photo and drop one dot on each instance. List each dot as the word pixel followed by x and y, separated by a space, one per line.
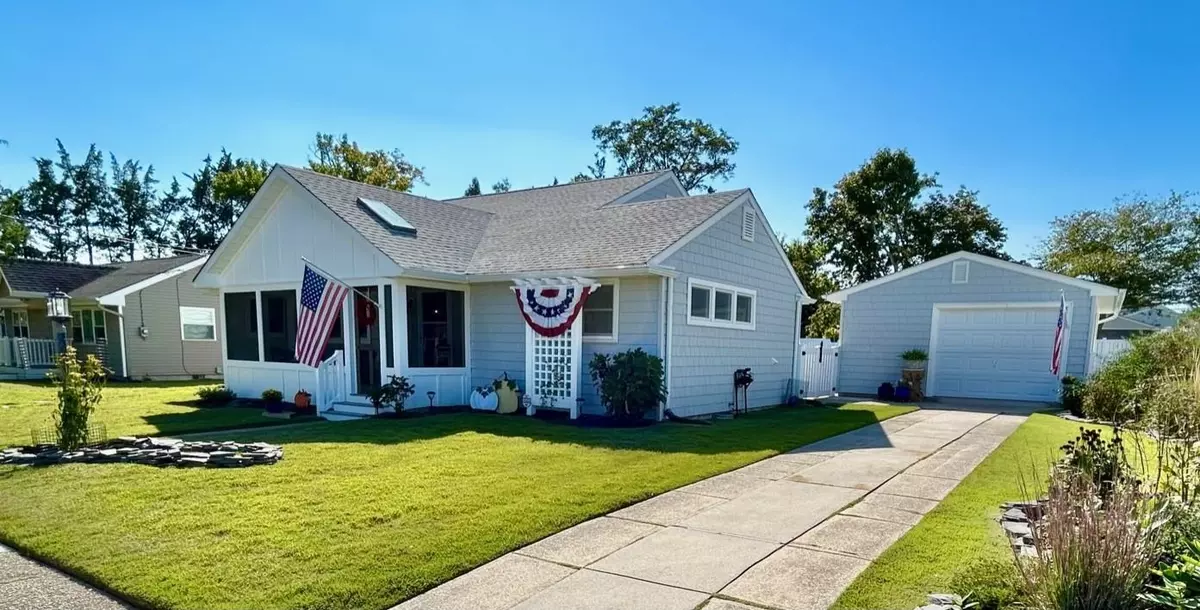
pixel 163 226
pixel 14 237
pixel 343 158
pixel 873 224
pixel 1150 247
pixel 133 202
pixel 88 193
pixel 501 186
pixel 660 140
pixel 820 319
pixel 47 213
pixel 473 188
pixel 219 194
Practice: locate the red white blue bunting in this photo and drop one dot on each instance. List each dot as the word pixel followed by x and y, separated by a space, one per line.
pixel 551 310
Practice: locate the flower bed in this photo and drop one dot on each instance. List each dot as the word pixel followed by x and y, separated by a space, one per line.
pixel 150 451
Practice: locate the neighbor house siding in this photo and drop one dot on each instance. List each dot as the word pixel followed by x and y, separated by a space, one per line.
pixel 163 352
pixel 498 332
pixel 703 358
pixel 881 322
pixel 110 353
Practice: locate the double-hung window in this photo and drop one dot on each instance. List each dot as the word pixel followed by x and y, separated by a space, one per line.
pixel 600 314
pixel 87 326
pixel 19 320
pixel 198 323
pixel 720 305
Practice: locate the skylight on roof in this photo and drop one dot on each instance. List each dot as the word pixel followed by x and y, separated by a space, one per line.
pixel 387 215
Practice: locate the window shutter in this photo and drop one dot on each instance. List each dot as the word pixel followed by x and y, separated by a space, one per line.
pixel 748 223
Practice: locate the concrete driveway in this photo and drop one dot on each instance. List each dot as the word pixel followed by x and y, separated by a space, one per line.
pixel 787 533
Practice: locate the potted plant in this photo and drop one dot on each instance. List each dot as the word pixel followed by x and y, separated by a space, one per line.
pixel 393 394
pixel 273 400
pixel 1072 395
pixel 915 359
pixel 484 398
pixel 506 394
pixel 630 383
pixel 303 401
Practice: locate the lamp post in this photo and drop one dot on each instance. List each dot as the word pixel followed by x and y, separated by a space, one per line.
pixel 58 310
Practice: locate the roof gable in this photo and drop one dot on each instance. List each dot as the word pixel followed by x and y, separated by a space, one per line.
pixel 83 281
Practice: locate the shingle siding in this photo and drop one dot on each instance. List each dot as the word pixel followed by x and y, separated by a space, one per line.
pixel 498 332
pixel 163 352
pixel 881 322
pixel 703 358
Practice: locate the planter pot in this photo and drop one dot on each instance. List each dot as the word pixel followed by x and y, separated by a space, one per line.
pixel 915 365
pixel 274 407
pixel 479 402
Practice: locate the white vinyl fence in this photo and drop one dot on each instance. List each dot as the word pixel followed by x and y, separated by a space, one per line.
pixel 818 367
pixel 1105 351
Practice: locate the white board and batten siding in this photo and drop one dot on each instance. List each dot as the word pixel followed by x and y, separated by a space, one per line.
pixel 703 358
pixel 988 337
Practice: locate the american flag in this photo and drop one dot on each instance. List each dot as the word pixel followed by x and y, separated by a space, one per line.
pixel 320 301
pixel 1060 332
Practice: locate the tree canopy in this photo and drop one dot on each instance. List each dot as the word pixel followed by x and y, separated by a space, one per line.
pixel 660 140
pixel 1150 247
pixel 820 319
pixel 344 158
pixel 473 188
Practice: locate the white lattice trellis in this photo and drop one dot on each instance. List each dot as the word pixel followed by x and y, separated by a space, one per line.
pixel 552 370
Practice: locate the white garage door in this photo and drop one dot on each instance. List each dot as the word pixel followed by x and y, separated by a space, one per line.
pixel 1001 353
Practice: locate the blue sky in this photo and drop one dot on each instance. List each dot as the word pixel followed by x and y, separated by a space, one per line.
pixel 1044 109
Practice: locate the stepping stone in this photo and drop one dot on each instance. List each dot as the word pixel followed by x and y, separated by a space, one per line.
pixel 667 509
pixel 588 590
pixel 865 538
pixel 691 559
pixel 917 486
pixel 776 512
pixel 498 585
pixel 796 579
pixel 589 541
pixel 728 485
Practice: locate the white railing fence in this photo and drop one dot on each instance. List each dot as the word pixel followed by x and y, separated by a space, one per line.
pixel 1107 350
pixel 818 365
pixel 331 381
pixel 25 353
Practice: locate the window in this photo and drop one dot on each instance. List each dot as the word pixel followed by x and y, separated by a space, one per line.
pixel 241 326
pixel 198 323
pixel 18 324
pixel 749 222
pixel 436 328
pixel 87 326
pixel 961 271
pixel 279 325
pixel 600 314
pixel 720 305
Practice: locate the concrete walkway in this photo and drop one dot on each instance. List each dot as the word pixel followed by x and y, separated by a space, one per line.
pixel 28 585
pixel 788 533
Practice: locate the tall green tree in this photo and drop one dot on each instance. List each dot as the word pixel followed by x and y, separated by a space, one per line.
pixel 163 227
pixel 1148 246
pixel 820 319
pixel 886 216
pixel 660 139
pixel 14 237
pixel 218 195
pixel 473 188
pixel 344 158
pixel 88 195
pixel 501 186
pixel 133 202
pixel 48 215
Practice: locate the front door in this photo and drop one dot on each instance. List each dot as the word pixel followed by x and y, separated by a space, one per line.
pixel 365 330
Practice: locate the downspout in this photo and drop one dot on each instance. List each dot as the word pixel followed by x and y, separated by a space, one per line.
pixel 121 333
pixel 795 382
pixel 669 282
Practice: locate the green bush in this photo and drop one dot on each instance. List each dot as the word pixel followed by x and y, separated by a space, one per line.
pixel 915 354
pixel 1123 390
pixel 272 395
pixel 1180 587
pixel 217 395
pixel 630 383
pixel 1091 456
pixel 393 394
pixel 1072 395
pixel 80 387
pixel 993 584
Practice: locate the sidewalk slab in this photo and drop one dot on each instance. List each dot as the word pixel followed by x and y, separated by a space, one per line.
pixel 589 590
pixel 796 579
pixel 670 508
pixel 728 485
pixel 917 486
pixel 498 585
pixel 864 469
pixel 589 541
pixel 864 538
pixel 691 559
pixel 777 512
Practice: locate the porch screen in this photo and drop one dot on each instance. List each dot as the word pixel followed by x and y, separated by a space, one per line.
pixel 436 328
pixel 241 326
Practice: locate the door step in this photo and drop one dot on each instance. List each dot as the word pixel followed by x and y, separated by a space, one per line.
pixel 354 408
pixel 332 415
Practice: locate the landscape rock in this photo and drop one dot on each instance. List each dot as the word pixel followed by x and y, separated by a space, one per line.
pixel 156 451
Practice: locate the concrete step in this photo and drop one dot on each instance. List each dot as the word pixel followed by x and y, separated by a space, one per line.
pixel 342 416
pixel 354 407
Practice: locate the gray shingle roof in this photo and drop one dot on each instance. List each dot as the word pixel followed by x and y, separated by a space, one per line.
pixel 568 226
pixel 85 281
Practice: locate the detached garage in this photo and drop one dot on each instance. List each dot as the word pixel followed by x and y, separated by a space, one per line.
pixel 988 326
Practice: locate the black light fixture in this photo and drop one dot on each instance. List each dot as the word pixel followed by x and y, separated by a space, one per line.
pixel 58 306
pixel 431 394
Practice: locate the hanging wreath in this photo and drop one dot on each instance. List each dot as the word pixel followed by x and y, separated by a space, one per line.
pixel 551 311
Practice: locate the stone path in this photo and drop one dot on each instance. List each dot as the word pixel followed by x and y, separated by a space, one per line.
pixel 787 533
pixel 29 585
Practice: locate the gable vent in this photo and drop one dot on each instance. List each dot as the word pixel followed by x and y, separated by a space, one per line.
pixel 961 271
pixel 389 217
pixel 749 221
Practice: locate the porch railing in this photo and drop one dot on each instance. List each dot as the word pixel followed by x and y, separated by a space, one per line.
pixel 25 353
pixel 331 381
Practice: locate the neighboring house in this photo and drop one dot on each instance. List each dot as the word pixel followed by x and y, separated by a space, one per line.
pixel 987 324
pixel 143 319
pixel 699 280
pixel 1139 322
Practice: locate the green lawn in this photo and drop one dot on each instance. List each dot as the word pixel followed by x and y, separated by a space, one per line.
pixel 365 514
pixel 963 528
pixel 128 408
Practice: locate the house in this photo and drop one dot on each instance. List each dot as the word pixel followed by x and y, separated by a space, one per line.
pixel 700 281
pixel 988 326
pixel 143 319
pixel 1139 322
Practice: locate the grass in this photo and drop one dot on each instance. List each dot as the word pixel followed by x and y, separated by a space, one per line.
pixel 129 408
pixel 365 514
pixel 962 529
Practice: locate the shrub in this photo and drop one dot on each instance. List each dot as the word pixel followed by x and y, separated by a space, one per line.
pixel 215 395
pixel 1122 390
pixel 80 388
pixel 1091 456
pixel 1072 395
pixel 993 584
pixel 630 383
pixel 915 354
pixel 393 394
pixel 1180 587
pixel 272 396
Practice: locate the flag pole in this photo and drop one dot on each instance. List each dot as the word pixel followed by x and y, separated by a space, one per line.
pixel 348 286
